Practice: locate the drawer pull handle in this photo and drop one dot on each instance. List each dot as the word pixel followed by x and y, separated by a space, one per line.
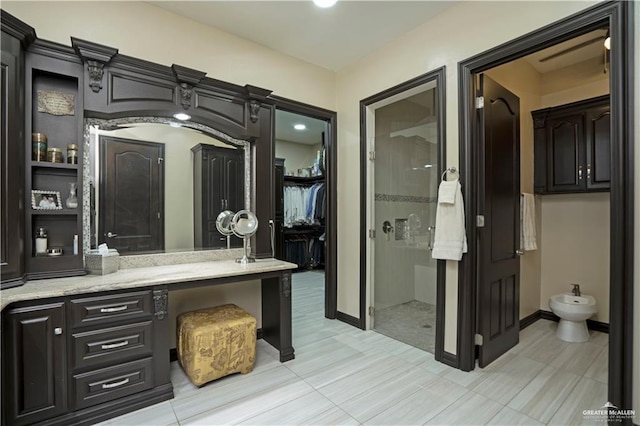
pixel 114 384
pixel 115 345
pixel 116 309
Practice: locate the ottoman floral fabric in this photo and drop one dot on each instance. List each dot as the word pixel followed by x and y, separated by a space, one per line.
pixel 215 342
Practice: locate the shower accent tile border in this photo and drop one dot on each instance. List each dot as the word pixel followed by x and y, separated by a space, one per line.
pixel 395 198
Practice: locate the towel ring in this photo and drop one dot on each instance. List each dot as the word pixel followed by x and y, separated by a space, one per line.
pixel 449 170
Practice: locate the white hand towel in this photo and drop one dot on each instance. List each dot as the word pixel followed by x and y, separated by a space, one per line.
pixel 447 191
pixel 528 222
pixel 450 239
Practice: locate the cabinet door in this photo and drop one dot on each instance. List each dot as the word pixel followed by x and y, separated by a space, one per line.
pixel 565 154
pixel 12 159
pixel 234 182
pixel 35 363
pixel 598 122
pixel 213 199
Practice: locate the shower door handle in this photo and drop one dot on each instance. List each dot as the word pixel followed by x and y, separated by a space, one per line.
pixel 387 228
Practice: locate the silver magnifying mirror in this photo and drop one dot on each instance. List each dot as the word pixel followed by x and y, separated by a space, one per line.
pixel 244 224
pixel 223 225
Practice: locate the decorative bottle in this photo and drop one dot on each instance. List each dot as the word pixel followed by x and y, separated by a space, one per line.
pixel 72 201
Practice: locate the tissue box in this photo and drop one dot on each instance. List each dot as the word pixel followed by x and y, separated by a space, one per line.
pixel 102 264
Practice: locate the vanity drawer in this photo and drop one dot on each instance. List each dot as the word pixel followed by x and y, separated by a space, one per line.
pixel 109 308
pixel 109 345
pixel 112 383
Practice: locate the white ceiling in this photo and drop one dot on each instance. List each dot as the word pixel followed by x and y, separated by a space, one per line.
pixel 570 52
pixel 330 38
pixel 285 121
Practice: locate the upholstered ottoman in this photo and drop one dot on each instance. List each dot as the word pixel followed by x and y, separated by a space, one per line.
pixel 215 342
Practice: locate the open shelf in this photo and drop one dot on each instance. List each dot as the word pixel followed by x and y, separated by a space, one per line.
pixel 63 212
pixel 300 179
pixel 48 165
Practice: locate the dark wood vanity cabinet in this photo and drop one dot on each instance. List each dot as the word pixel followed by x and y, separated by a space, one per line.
pixel 15 37
pixel 85 358
pixel 572 147
pixel 34 363
pixel 218 185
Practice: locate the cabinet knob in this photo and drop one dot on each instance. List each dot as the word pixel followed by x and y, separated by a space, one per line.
pixel 588 171
pixel 57 331
pixel 111 234
pixel 579 172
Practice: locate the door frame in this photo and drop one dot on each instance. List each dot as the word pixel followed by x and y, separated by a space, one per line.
pixel 331 170
pixel 439 76
pixel 619 16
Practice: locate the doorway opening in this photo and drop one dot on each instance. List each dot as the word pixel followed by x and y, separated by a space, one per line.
pixel 304 229
pixel 592 23
pixel 402 149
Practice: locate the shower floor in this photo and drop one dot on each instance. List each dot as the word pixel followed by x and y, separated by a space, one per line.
pixel 413 323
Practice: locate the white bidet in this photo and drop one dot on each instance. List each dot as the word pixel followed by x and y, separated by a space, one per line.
pixel 573 312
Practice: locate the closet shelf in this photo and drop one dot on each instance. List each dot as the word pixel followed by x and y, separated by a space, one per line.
pixel 300 179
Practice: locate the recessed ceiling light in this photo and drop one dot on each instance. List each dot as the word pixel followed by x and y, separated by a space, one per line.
pixel 325 3
pixel 181 116
pixel 299 126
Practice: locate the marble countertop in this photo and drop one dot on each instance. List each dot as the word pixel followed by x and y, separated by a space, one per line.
pixel 138 277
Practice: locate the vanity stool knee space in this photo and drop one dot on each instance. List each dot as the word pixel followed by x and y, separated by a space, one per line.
pixel 215 342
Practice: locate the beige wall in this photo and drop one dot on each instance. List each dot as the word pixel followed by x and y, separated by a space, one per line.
pixel 583 258
pixel 296 155
pixel 429 46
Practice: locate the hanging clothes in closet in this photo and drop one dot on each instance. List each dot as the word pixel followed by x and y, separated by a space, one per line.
pixel 304 205
pixel 304 216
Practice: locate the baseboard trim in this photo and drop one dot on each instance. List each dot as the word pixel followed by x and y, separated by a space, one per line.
pixel 602 327
pixel 530 319
pixel 173 352
pixel 341 316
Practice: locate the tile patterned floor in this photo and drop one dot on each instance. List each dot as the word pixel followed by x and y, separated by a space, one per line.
pixel 345 376
pixel 413 323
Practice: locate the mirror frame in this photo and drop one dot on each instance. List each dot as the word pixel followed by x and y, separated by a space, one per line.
pixel 119 123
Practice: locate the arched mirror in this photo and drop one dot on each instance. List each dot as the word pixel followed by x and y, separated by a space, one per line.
pixel 157 185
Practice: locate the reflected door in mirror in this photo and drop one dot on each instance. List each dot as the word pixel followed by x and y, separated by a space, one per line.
pixel 218 185
pixel 132 195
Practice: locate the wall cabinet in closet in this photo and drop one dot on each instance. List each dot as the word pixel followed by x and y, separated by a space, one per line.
pixel 572 147
pixel 218 185
pixel 55 111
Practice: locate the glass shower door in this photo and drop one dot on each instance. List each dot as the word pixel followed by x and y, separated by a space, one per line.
pixel 405 179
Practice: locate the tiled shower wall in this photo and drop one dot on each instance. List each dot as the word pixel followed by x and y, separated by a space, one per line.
pixel 404 269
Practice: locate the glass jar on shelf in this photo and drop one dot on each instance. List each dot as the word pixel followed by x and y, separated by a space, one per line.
pixel 72 200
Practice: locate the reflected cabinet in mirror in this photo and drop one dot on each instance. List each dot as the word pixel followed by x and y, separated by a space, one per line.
pixel 157 185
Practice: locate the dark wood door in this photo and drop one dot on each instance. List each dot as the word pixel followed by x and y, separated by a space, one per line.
pixel 131 195
pixel 598 132
pixel 499 265
pixel 565 153
pixel 34 355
